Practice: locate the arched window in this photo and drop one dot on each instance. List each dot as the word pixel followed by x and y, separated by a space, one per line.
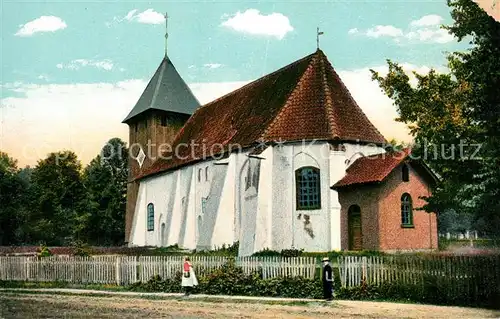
pixel 151 217
pixel 206 173
pixel 406 173
pixel 307 187
pixel 199 175
pixel 406 210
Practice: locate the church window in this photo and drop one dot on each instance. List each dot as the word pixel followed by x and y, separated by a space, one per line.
pixel 145 123
pixel 151 217
pixel 307 184
pixel 406 173
pixel 163 120
pixel 199 175
pixel 136 126
pixel 406 210
pixel 206 173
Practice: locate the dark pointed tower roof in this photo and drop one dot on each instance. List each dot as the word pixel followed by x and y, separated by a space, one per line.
pixel 166 91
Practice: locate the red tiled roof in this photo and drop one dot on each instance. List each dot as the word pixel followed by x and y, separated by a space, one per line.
pixel 373 168
pixel 303 100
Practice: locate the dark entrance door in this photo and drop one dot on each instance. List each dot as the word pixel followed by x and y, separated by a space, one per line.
pixel 355 230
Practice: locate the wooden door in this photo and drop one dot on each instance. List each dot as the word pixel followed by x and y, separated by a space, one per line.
pixel 355 229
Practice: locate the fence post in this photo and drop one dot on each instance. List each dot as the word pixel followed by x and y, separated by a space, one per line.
pixel 118 269
pixel 27 265
pixel 363 275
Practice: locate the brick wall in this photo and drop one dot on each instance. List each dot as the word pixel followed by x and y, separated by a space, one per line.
pixel 366 197
pixel 392 235
pixel 381 214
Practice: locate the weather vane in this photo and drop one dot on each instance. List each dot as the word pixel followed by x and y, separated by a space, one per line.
pixel 318 33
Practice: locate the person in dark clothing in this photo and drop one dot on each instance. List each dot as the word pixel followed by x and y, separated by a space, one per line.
pixel 327 278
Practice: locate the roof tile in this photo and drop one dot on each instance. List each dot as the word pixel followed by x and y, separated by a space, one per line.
pixel 303 100
pixel 374 168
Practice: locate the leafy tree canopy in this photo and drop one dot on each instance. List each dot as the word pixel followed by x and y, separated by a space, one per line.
pixel 455 118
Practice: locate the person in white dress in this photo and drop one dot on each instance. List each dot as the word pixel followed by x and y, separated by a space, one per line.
pixel 188 277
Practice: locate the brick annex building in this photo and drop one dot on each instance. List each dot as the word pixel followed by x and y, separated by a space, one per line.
pixel 311 171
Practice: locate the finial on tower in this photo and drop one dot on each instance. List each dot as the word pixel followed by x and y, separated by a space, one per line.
pixel 166 33
pixel 318 33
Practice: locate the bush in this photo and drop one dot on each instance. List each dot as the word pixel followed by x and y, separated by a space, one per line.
pixel 81 249
pixel 231 280
pixel 43 251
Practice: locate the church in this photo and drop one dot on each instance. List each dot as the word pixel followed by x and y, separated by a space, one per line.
pixel 287 161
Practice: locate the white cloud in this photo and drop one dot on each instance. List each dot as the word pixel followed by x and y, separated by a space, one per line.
pixel 79 63
pixel 192 66
pixel 254 23
pixel 41 25
pixel 207 92
pixel 424 30
pixel 80 117
pixel 384 30
pixel 212 65
pixel 43 77
pixel 130 14
pixel 430 35
pixel 428 20
pixel 148 16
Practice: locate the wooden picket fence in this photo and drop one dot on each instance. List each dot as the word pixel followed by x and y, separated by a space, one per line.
pixel 125 270
pixel 471 276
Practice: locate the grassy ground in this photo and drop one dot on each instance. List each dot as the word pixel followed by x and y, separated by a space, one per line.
pixel 47 305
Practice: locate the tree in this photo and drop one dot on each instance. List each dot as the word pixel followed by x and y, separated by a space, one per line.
pixel 455 118
pixel 105 180
pixel 12 200
pixel 59 198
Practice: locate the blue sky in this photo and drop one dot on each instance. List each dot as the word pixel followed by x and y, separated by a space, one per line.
pixel 72 70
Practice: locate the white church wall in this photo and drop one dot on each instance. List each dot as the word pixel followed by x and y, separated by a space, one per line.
pixel 311 227
pixel 169 192
pixel 151 186
pixel 138 229
pixel 265 202
pixel 248 199
pixel 206 205
pixel 240 160
pixel 282 180
pixel 203 176
pixel 186 174
pixel 207 217
pixel 175 225
pixel 301 229
pixel 224 229
pixel 188 238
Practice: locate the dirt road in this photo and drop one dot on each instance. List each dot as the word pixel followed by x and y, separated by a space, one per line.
pixel 22 305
